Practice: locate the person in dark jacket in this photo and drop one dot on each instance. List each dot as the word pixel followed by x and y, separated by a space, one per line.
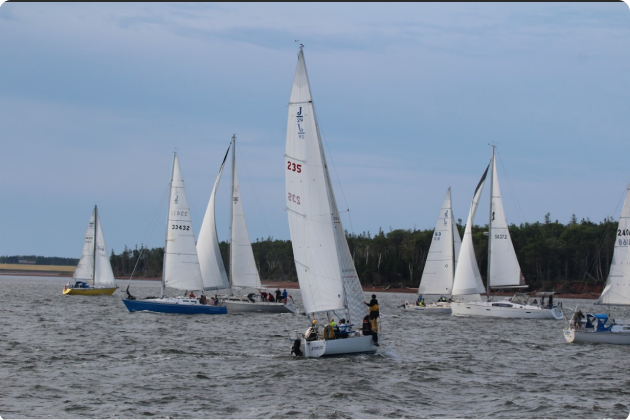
pixel 366 329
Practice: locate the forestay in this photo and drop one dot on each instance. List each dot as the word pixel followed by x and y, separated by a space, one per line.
pixel 617 290
pixel 467 276
pixel 244 272
pixel 328 279
pixel 181 265
pixel 210 260
pixel 439 269
pixel 504 268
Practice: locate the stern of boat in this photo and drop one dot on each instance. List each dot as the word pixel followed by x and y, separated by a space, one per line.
pixel 569 335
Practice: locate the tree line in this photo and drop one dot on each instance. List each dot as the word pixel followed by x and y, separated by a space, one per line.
pixel 574 257
pixel 37 260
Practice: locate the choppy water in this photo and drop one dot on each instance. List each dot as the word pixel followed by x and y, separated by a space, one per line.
pixel 88 357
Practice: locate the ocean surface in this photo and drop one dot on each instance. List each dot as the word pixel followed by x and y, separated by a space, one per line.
pixel 88 357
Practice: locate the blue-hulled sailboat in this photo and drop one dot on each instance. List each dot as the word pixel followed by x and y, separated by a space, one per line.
pixel 181 264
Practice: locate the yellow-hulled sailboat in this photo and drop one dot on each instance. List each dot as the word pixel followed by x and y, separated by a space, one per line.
pixel 94 266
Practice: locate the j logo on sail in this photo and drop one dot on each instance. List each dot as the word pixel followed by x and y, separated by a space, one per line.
pixel 176 198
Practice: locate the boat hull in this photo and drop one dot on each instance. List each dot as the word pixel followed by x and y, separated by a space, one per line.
pixel 269 307
pixel 516 311
pixel 173 307
pixel 431 308
pixel 340 346
pixel 607 337
pixel 92 291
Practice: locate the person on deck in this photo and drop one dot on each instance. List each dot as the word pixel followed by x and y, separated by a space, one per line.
pixel 278 295
pixel 284 295
pixel 366 329
pixel 577 320
pixel 343 329
pixel 374 314
pixel 251 297
pixel 216 300
pixel 311 332
pixel 191 295
pixel 329 330
pixel 263 296
pixel 550 301
pixel 271 299
pixel 202 299
pixel 420 299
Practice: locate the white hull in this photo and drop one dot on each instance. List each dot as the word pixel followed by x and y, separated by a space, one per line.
pixel 339 346
pixel 608 337
pixel 432 308
pixel 489 309
pixel 248 306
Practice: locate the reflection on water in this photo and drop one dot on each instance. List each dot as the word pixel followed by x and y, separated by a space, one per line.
pixel 88 357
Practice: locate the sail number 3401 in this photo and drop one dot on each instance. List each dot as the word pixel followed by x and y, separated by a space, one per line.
pixel 294 167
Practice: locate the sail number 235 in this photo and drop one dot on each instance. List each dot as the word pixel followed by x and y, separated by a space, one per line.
pixel 294 198
pixel 294 167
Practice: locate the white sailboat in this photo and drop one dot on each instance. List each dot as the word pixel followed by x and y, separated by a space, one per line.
pixel 94 266
pixel 503 268
pixel 439 269
pixel 599 328
pixel 181 264
pixel 243 273
pixel 328 279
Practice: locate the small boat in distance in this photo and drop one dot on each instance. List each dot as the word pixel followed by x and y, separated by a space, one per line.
pixel 181 265
pixel 94 265
pixel 439 269
pixel 600 328
pixel 504 271
pixel 243 273
pixel 328 279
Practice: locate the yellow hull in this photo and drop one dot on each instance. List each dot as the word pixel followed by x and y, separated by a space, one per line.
pixel 90 292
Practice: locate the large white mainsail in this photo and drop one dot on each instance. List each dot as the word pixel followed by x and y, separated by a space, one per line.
pixel 617 290
pixel 467 279
pixel 326 272
pixel 85 267
pixel 243 270
pixel 181 265
pixel 439 269
pixel 504 268
pixel 104 276
pixel 210 260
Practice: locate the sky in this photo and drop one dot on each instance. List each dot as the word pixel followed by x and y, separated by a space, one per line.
pixel 96 97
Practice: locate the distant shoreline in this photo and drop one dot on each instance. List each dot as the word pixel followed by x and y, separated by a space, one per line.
pixel 282 285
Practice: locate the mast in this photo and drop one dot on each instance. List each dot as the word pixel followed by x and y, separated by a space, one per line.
pixel 490 223
pixel 452 238
pixel 94 248
pixel 166 233
pixel 230 279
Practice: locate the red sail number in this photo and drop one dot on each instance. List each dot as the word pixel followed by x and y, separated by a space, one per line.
pixel 293 167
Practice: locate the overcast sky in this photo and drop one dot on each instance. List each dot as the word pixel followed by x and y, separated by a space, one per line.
pixel 95 97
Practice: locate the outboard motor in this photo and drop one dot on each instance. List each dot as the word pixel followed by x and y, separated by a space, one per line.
pixel 296 347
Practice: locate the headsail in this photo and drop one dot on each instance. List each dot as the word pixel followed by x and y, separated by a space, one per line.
pixel 103 268
pixel 437 277
pixel 326 272
pixel 210 260
pixel 467 276
pixel 181 265
pixel 504 268
pixel 244 272
pixel 617 290
pixel 85 267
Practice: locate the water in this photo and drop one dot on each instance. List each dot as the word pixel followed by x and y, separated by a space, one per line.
pixel 88 357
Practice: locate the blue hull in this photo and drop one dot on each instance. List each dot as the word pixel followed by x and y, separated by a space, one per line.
pixel 171 308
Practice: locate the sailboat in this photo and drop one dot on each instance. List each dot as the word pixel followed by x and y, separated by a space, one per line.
pixel 243 273
pixel 439 269
pixel 504 271
pixel 180 269
pixel 599 328
pixel 94 265
pixel 328 279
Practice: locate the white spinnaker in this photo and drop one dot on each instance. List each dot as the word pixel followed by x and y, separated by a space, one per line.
pixel 181 265
pixel 467 277
pixel 504 268
pixel 85 267
pixel 243 265
pixel 210 260
pixel 309 208
pixel 103 272
pixel 437 276
pixel 617 290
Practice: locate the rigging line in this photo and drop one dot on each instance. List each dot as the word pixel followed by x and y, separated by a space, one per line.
pixel 343 194
pixel 151 228
pixel 511 188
